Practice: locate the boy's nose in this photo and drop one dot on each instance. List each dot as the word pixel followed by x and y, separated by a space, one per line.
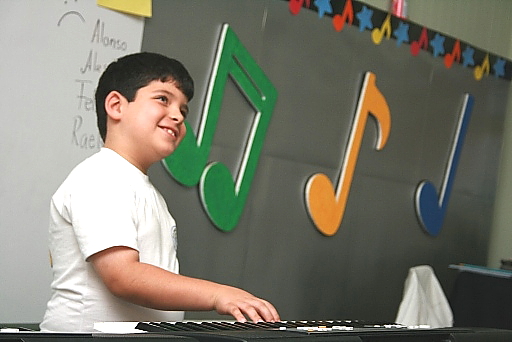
pixel 176 115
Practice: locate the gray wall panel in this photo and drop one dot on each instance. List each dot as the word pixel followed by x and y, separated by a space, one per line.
pixel 275 250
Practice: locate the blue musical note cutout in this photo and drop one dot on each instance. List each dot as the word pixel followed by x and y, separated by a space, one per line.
pixel 431 207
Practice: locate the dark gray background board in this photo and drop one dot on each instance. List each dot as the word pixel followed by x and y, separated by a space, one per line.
pixel 275 250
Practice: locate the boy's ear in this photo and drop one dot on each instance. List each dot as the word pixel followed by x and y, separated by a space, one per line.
pixel 114 104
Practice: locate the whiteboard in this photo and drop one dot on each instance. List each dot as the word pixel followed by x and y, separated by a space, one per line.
pixel 52 54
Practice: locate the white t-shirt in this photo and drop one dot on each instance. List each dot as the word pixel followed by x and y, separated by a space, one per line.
pixel 104 202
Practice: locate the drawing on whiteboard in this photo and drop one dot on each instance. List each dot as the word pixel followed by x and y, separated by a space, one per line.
pixel 71 13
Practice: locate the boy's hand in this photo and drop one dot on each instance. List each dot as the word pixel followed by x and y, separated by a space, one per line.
pixel 242 305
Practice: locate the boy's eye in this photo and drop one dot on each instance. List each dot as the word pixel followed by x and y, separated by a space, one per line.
pixel 163 98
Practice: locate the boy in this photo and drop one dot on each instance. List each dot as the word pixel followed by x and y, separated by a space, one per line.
pixel 112 238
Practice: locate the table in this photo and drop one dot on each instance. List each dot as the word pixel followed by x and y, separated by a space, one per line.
pixel 481 300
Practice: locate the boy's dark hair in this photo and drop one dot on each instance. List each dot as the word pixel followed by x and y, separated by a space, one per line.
pixel 130 73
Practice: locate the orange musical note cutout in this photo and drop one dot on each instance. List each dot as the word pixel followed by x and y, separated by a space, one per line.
pixel 449 58
pixel 421 43
pixel 326 207
pixel 378 34
pixel 338 21
pixel 480 70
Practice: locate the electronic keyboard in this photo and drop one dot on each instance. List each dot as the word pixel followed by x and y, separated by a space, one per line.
pixel 319 331
pixel 284 331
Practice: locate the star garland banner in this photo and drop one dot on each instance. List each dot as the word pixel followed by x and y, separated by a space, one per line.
pixel 384 25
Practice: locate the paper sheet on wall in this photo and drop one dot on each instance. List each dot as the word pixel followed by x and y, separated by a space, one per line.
pixel 141 8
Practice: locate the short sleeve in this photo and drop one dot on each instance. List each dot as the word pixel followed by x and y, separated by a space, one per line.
pixel 102 216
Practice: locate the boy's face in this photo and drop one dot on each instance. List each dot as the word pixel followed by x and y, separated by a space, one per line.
pixel 153 123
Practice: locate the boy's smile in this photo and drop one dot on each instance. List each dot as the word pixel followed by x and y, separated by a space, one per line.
pixel 150 127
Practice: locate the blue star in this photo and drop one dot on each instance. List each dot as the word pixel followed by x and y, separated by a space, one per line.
pixel 365 19
pixel 324 6
pixel 438 45
pixel 499 68
pixel 402 33
pixel 467 56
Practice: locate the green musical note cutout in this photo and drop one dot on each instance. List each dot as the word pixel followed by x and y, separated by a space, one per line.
pixel 223 197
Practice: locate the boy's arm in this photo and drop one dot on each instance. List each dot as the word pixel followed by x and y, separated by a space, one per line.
pixel 150 286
